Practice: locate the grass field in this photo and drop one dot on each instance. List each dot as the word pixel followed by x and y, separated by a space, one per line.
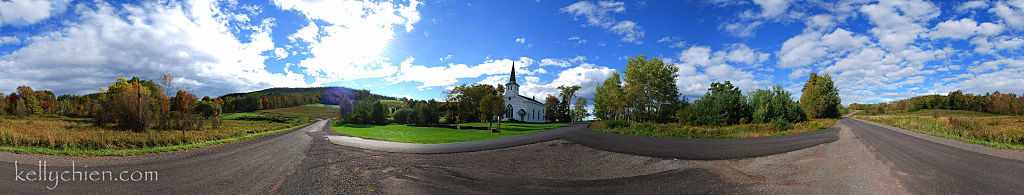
pixel 305 111
pixel 676 130
pixel 78 136
pixel 433 135
pixel 1001 131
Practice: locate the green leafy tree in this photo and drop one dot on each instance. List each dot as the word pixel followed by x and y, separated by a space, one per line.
pixel 567 93
pixel 492 107
pixel 775 105
pixel 650 90
pixel 427 113
pixel 723 104
pixel 579 109
pixel 820 97
pixel 608 98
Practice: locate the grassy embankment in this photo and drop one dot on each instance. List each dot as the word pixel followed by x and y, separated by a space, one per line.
pixel 676 130
pixel 433 135
pixel 1000 131
pixel 79 137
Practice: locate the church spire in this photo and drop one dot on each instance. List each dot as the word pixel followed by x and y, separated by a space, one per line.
pixel 512 78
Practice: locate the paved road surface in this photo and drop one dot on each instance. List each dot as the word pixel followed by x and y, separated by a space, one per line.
pixel 866 159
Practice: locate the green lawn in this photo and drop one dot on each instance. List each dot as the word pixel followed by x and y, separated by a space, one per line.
pixel 433 135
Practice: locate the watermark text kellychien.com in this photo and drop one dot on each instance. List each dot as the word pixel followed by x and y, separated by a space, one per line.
pixel 41 173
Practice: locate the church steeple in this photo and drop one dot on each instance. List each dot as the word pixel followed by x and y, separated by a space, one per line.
pixel 512 88
pixel 512 77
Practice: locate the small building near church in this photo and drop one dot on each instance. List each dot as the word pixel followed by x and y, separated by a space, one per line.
pixel 520 108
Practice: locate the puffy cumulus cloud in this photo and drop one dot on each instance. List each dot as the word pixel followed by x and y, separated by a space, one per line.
pixel 955 29
pixel 448 75
pixel 25 12
pixel 106 42
pixel 991 45
pixel 810 46
pixel 599 15
pixel 899 22
pixel 369 25
pixel 699 66
pixel 1012 12
pixel 586 75
pixel 1007 79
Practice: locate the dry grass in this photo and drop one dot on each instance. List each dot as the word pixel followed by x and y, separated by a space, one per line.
pixel 993 130
pixel 79 134
pixel 734 131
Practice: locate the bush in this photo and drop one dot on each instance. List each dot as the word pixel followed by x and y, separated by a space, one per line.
pixel 612 124
pixel 781 124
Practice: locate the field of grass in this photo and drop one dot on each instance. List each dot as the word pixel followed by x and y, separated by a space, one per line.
pixel 1000 131
pixel 78 136
pixel 676 130
pixel 433 135
pixel 305 112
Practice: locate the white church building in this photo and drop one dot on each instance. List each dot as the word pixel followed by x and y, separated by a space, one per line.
pixel 518 107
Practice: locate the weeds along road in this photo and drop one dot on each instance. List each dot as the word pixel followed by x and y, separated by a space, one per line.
pixel 867 159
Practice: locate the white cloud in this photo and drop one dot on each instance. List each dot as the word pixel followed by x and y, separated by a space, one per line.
pixel 577 39
pixel 971 5
pixel 448 75
pixel 772 8
pixel 898 23
pixel 598 15
pixel 369 25
pixel 810 46
pixel 25 12
pixel 281 54
pixel 1012 13
pixel 955 29
pixel 447 57
pixel 699 66
pixel 521 40
pixel 196 46
pixel 586 75
pixel 562 62
pixel 8 40
pixel 741 29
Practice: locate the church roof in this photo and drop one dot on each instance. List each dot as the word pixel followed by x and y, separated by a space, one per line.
pixel 531 99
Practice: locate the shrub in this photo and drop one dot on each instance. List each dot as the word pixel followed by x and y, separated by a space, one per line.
pixel 781 124
pixel 612 124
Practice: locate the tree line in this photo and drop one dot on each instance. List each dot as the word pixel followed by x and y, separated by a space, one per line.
pixel 131 104
pixel 647 92
pixel 995 102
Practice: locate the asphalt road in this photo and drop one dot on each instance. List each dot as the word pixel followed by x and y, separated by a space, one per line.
pixel 866 159
pixel 927 167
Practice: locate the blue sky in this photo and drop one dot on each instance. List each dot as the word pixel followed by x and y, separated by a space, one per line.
pixel 877 50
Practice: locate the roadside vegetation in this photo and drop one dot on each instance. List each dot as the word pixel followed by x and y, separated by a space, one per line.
pixel 645 101
pixel 994 130
pixel 679 130
pixel 433 135
pixel 992 119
